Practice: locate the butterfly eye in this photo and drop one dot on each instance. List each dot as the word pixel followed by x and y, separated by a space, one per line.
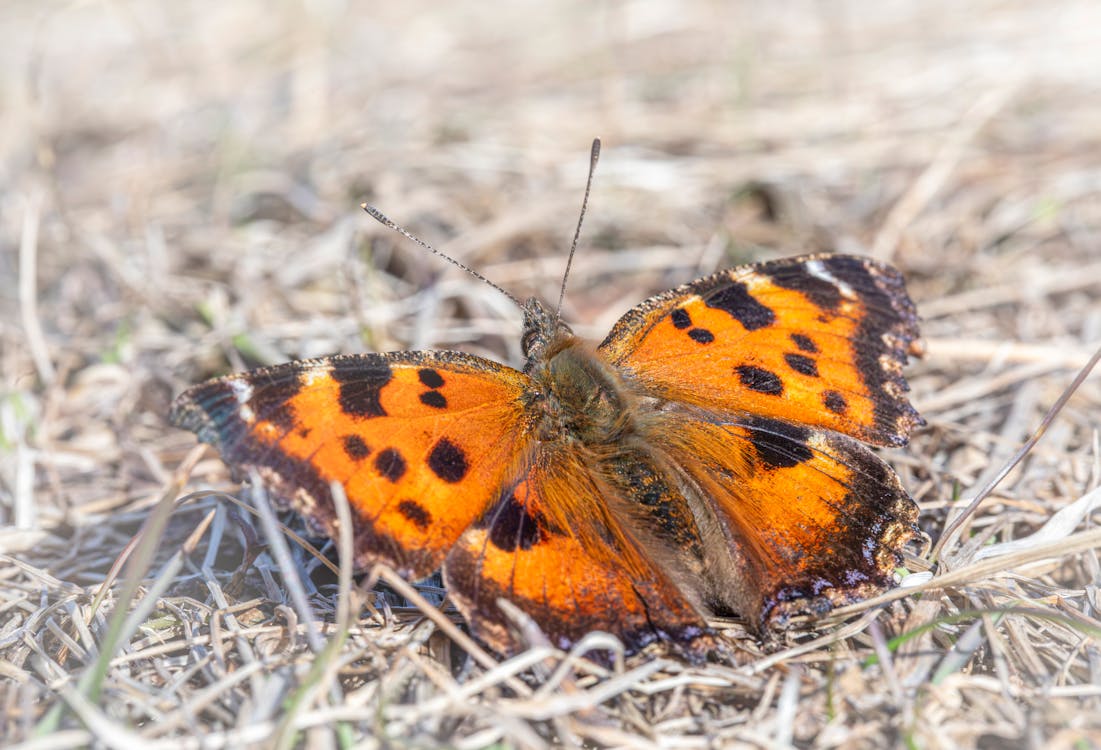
pixel 530 340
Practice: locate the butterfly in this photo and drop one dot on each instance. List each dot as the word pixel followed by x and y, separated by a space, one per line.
pixel 706 458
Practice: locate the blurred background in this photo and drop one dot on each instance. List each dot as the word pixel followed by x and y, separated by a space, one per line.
pixel 168 155
pixel 180 182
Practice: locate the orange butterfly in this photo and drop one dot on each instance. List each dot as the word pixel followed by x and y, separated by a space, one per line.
pixel 705 458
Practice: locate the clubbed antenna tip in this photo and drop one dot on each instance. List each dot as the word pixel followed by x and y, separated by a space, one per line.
pixel 594 157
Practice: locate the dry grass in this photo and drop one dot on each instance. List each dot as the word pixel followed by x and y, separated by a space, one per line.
pixel 180 191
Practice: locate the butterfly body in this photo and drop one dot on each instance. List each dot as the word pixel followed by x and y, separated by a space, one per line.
pixel 706 457
pixel 579 399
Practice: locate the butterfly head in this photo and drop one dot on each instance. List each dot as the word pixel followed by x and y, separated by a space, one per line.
pixel 541 329
pixel 544 332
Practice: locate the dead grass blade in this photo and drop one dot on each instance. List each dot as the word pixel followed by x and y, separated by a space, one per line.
pixel 948 536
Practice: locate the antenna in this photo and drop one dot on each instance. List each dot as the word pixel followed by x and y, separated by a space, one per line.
pixel 386 222
pixel 594 156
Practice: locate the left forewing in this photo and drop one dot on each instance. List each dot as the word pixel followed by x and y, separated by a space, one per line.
pixel 419 441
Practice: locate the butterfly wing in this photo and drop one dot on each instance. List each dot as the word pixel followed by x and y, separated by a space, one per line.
pixel 818 340
pixel 767 373
pixel 584 571
pixel 420 441
pixel 811 519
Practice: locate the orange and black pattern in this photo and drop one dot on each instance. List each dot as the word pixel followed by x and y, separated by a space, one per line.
pixel 706 457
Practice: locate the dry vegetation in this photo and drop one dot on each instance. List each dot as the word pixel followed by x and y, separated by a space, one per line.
pixel 180 189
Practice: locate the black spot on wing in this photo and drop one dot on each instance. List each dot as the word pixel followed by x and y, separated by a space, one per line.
pixel 681 319
pixel 760 380
pixel 355 448
pixel 271 397
pixel 415 513
pixel 805 343
pixel 701 335
pixel 435 399
pixel 803 364
pixel 391 464
pixel 835 402
pixel 430 377
pixel 778 444
pixel 821 292
pixel 448 461
pixel 511 526
pixel 361 380
pixel 735 300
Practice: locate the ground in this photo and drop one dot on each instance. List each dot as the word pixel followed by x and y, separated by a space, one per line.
pixel 180 199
